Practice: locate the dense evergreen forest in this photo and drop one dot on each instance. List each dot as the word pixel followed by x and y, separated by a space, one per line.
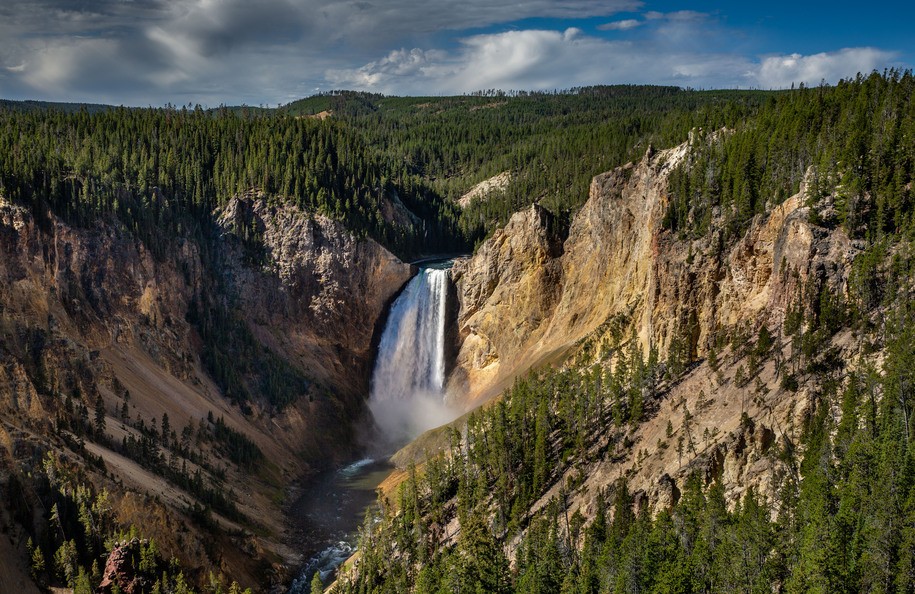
pixel 843 517
pixel 856 141
pixel 551 143
pixel 162 172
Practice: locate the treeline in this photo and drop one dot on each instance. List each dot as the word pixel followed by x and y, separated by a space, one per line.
pixel 856 139
pixel 552 143
pixel 162 172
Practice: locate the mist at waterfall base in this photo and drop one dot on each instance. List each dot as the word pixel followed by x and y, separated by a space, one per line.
pixel 407 390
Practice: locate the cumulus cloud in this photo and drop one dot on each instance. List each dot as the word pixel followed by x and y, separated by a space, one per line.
pixel 212 51
pixel 534 59
pixel 779 72
pixel 624 25
pixel 543 59
pixel 142 51
pixel 394 69
pixel 683 48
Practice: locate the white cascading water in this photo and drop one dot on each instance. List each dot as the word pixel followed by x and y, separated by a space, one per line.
pixel 408 381
pixel 407 397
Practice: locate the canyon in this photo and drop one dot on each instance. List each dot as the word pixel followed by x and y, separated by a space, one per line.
pixel 92 310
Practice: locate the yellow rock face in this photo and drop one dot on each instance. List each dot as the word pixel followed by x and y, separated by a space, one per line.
pixel 525 299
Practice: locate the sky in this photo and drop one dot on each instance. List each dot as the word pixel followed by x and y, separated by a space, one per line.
pixel 270 52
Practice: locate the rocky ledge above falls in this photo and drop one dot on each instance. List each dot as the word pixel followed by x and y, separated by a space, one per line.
pixel 506 292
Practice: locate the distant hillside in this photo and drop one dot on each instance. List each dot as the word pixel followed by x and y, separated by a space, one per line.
pixel 50 105
pixel 552 143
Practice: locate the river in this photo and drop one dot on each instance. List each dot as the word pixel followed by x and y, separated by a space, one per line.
pixel 332 509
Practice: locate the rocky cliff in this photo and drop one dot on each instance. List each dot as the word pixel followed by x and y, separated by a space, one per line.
pixel 319 293
pixel 528 297
pixel 507 294
pixel 91 315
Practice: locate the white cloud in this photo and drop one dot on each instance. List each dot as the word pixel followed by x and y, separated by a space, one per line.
pixel 398 66
pixel 544 59
pixel 779 72
pixel 540 59
pixel 510 60
pixel 212 51
pixel 624 25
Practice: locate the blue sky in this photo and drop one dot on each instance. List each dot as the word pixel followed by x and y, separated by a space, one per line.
pixel 150 52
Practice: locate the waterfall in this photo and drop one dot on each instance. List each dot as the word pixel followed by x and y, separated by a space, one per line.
pixel 408 381
pixel 407 397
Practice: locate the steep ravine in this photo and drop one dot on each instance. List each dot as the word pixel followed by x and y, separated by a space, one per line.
pixel 89 311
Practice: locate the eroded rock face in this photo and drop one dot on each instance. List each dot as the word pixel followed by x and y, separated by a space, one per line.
pixel 507 293
pixel 618 262
pixel 319 292
pixel 121 570
pixel 313 297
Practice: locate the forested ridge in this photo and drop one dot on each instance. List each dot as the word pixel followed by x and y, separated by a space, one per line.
pixel 163 171
pixel 856 141
pixel 551 143
pixel 492 514
pixel 843 520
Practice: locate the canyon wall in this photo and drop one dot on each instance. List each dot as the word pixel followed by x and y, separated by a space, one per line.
pixel 89 312
pixel 534 290
pixel 536 293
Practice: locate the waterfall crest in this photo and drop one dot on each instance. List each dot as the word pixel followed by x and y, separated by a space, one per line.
pixel 407 387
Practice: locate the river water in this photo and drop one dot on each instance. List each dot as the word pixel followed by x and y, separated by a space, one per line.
pixel 407 397
pixel 333 507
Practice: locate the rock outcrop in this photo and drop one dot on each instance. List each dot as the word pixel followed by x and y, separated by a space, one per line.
pixel 507 293
pixel 486 188
pixel 618 262
pixel 319 292
pixel 120 573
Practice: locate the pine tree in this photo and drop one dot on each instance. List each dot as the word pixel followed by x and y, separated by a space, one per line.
pixel 99 415
pixel 317 586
